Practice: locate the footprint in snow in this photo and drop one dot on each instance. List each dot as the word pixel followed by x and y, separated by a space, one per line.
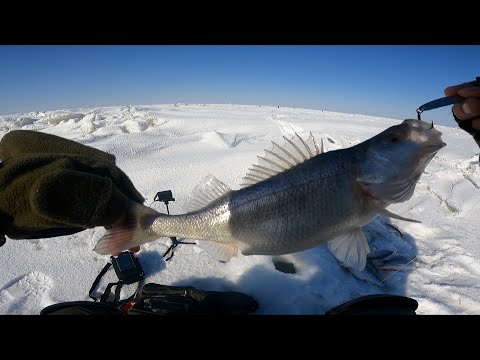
pixel 27 296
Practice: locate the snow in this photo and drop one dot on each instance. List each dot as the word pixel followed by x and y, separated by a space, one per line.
pixel 174 146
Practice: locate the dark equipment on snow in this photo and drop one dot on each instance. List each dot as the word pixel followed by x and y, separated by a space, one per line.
pixel 378 304
pixel 154 299
pixel 127 267
pixel 165 197
pixel 128 270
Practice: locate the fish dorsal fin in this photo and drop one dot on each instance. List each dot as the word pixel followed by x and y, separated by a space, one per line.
pixel 351 249
pixel 208 190
pixel 280 158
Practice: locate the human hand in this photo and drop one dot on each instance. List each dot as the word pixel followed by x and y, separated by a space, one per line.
pixel 64 187
pixel 467 112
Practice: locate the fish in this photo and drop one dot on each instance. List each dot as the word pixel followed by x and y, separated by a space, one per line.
pixel 295 198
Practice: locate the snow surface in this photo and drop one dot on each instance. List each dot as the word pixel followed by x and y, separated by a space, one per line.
pixel 174 146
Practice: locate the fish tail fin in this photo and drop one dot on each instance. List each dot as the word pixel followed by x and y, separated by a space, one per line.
pixel 133 231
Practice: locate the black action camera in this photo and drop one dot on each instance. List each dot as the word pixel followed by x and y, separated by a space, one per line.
pixel 164 196
pixel 127 267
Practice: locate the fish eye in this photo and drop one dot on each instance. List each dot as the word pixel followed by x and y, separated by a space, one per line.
pixel 393 138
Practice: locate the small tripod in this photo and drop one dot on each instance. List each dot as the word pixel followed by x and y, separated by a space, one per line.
pixel 165 197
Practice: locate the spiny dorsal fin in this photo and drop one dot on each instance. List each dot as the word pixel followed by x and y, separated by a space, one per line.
pixel 280 158
pixel 208 190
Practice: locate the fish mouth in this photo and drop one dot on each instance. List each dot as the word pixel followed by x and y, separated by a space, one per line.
pixel 434 148
pixel 428 152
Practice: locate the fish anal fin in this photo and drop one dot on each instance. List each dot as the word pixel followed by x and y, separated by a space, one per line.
pixel 220 251
pixel 351 249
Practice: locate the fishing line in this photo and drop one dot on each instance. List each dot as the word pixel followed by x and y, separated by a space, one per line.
pixel 398 270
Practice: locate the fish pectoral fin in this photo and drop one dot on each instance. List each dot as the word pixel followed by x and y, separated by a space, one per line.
pixel 221 252
pixel 392 191
pixel 208 190
pixel 351 249
pixel 395 216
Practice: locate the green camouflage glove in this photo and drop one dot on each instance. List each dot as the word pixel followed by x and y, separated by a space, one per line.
pixel 51 186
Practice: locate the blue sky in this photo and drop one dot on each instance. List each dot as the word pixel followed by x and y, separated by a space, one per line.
pixel 388 81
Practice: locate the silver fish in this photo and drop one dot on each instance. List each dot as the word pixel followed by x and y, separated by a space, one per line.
pixel 296 197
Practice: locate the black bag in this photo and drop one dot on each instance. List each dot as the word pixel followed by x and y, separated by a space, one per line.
pixel 186 300
pixel 378 304
pixel 82 308
pixel 155 299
